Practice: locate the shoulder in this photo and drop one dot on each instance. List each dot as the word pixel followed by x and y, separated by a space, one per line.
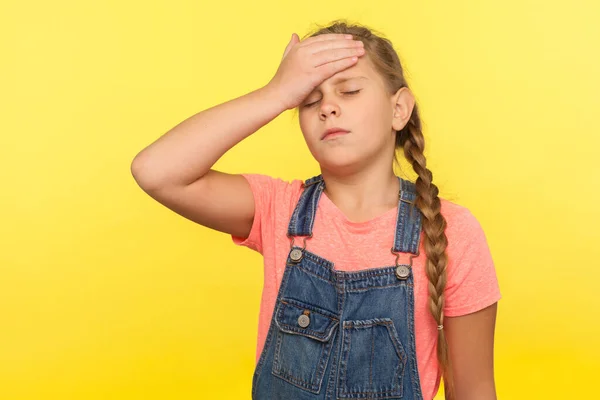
pixel 271 191
pixel 272 182
pixel 472 283
pixel 463 231
pixel 273 203
pixel 458 217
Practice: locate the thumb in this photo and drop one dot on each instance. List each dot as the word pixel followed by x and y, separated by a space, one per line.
pixel 291 44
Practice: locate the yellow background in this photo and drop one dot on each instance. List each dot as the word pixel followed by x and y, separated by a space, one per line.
pixel 106 294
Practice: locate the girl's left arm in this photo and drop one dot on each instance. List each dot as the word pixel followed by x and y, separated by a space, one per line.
pixel 471 350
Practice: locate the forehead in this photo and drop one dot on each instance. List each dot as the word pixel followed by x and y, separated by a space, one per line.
pixel 362 71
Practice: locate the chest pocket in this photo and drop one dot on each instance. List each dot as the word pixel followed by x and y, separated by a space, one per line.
pixel 372 362
pixel 303 343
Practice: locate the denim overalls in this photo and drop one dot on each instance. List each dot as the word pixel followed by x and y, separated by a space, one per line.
pixel 339 334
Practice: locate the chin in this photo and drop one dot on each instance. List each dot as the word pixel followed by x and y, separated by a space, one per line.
pixel 338 159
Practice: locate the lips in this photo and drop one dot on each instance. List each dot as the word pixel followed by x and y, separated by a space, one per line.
pixel 332 132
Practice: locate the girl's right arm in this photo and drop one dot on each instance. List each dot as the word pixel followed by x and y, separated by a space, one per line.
pixel 176 171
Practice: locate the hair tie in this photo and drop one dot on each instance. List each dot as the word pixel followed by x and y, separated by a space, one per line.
pixel 440 327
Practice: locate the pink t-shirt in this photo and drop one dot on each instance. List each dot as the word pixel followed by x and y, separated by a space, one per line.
pixel 471 285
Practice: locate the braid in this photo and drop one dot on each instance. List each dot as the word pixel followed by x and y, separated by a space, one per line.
pixel 435 240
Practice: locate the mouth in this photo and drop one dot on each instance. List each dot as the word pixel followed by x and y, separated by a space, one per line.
pixel 333 133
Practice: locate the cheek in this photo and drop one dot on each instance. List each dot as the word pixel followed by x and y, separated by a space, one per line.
pixel 373 113
pixel 375 121
pixel 307 127
pixel 304 122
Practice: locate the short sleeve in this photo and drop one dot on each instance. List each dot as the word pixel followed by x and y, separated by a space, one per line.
pixel 472 283
pixel 271 201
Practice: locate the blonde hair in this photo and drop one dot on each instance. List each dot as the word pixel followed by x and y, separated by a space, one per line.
pixel 410 139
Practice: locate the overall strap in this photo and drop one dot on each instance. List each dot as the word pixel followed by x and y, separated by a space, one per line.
pixel 303 218
pixel 408 222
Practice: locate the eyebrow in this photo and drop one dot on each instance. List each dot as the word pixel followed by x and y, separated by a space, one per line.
pixel 344 79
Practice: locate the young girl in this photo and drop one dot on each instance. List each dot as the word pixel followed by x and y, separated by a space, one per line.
pixel 374 287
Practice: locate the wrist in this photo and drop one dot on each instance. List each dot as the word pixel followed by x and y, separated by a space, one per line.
pixel 275 94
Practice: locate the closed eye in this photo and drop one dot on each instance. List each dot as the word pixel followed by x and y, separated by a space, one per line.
pixel 349 93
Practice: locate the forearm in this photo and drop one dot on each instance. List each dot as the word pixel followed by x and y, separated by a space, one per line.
pixel 188 151
pixel 477 394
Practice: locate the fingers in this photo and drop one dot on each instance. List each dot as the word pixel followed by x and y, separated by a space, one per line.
pixel 288 47
pixel 324 38
pixel 287 50
pixel 333 44
pixel 332 68
pixel 291 44
pixel 329 56
pixel 333 48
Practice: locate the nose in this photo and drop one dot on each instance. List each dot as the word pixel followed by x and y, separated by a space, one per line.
pixel 328 108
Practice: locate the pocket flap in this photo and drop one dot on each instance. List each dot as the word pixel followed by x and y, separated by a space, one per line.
pixel 320 326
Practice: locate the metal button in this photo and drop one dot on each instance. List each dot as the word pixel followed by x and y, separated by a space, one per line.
pixel 303 320
pixel 296 255
pixel 402 271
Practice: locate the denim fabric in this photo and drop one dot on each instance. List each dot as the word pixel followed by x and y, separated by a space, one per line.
pixel 340 334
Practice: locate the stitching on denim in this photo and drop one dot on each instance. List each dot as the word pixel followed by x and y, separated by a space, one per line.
pixel 371 359
pixel 346 354
pixel 367 273
pixel 262 358
pixel 292 228
pixel 295 214
pixel 323 359
pixel 309 223
pixel 296 381
pixel 366 289
pixel 277 349
pixel 321 365
pixel 304 269
pixel 415 230
pixel 400 227
pixel 347 328
pixel 318 259
pixel 271 332
pixel 417 233
pixel 300 304
pixel 416 381
pixel 408 229
pixel 395 340
pixel 331 381
pixel 336 348
pixel 292 330
pixel 314 386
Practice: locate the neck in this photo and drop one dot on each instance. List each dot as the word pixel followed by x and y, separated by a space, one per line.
pixel 363 194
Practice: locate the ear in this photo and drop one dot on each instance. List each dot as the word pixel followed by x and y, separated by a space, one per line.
pixel 403 103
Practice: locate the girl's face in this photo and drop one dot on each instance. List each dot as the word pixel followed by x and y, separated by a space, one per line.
pixel 357 101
